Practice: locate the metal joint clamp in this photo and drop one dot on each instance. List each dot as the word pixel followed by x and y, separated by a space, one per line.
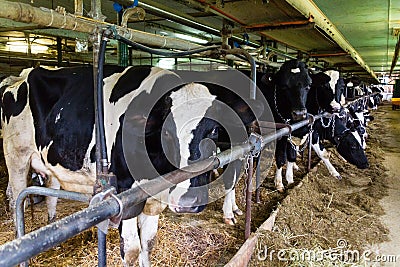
pixel 113 221
pixel 257 143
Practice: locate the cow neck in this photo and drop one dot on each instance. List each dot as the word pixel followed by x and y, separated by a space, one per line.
pixel 320 109
pixel 335 136
pixel 286 121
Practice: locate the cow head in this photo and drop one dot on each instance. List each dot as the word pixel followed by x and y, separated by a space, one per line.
pixel 200 124
pixel 349 147
pixel 292 85
pixel 355 125
pixel 320 96
pixel 183 134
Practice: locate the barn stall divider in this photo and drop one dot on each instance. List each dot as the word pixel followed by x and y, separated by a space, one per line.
pixel 26 246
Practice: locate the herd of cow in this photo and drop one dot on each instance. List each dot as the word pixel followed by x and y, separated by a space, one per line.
pixel 48 125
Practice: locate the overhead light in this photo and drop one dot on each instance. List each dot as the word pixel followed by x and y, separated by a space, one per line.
pixel 22 47
pixel 166 63
pixel 190 38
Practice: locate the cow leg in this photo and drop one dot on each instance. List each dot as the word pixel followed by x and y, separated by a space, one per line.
pixel 291 157
pixel 289 172
pixel 324 156
pixel 51 202
pixel 148 225
pixel 130 242
pixel 280 158
pixel 230 178
pixel 18 168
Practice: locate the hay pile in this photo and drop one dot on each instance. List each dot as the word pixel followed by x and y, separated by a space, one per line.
pixel 321 212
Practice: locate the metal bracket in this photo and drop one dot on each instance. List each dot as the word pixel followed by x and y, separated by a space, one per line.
pixel 257 143
pixel 114 221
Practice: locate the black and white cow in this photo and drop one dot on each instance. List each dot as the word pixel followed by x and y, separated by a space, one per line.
pixel 347 139
pixel 321 98
pixel 48 125
pixel 286 93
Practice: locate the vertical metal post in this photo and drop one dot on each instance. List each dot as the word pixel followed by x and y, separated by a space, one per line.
pixel 122 47
pixel 249 187
pixel 78 7
pixel 95 11
pixel 59 51
pixel 309 151
pixel 101 245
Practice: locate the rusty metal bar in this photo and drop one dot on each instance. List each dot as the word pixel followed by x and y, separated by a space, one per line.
pixel 249 185
pixel 303 24
pixel 258 179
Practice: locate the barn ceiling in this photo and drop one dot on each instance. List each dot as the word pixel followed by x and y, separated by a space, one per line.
pixel 357 39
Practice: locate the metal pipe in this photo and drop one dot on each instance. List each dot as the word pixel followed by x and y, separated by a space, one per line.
pixel 101 248
pixel 137 12
pixel 165 53
pixel 33 243
pixel 43 191
pixel 302 24
pixel 250 59
pixel 307 8
pixel 258 179
pixel 46 17
pixel 101 147
pixel 78 7
pixel 99 109
pixel 95 11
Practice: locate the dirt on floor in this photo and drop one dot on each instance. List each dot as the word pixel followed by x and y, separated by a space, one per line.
pixel 317 213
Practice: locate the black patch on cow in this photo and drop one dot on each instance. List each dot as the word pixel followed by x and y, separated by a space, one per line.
pixel 62 105
pixel 10 106
pixel 126 84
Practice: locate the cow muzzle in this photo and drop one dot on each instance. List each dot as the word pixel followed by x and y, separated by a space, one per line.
pixel 193 201
pixel 299 114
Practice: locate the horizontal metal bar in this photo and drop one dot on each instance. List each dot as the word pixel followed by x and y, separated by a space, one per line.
pixel 43 191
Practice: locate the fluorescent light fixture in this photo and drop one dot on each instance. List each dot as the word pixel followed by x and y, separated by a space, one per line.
pixel 22 47
pixel 190 38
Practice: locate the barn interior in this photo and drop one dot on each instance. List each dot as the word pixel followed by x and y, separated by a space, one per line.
pixel 341 35
pixel 357 39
